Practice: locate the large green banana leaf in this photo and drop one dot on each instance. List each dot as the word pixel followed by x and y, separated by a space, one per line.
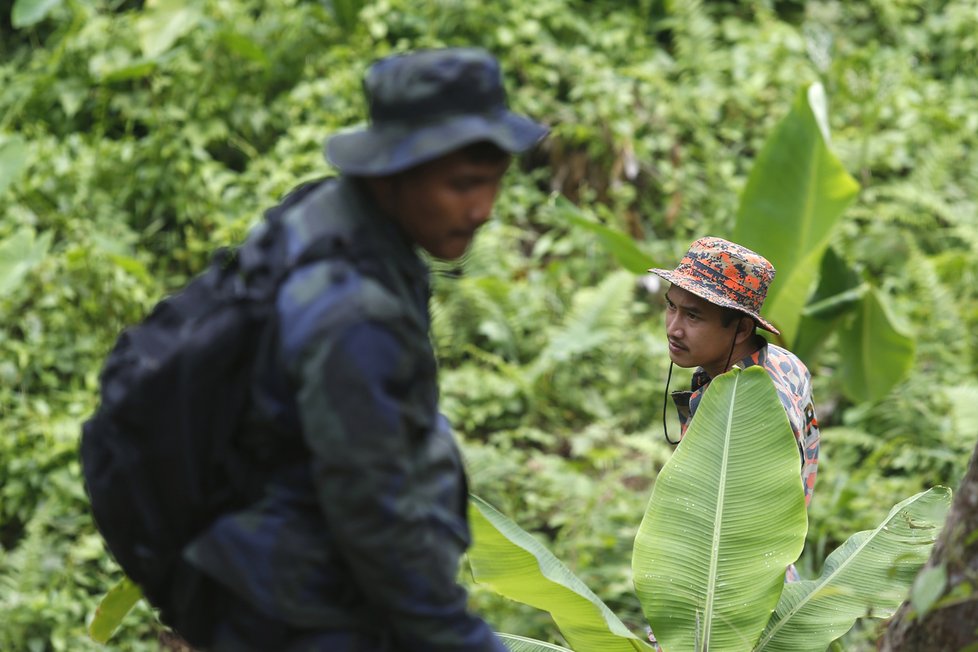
pixel 512 563
pixel 869 574
pixel 795 194
pixel 839 291
pixel 727 515
pixel 876 354
pixel 522 644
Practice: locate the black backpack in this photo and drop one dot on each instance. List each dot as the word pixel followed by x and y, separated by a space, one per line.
pixel 158 456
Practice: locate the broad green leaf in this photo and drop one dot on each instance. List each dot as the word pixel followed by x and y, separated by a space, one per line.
pixel 795 195
pixel 116 64
pixel 839 291
pixel 19 253
pixel 132 266
pixel 30 12
pixel 244 47
pixel 839 287
pixel 876 354
pixel 128 72
pixel 522 644
pixel 163 23
pixel 13 160
pixel 928 586
pixel 869 574
pixel 620 245
pixel 114 606
pixel 726 517
pixel 512 563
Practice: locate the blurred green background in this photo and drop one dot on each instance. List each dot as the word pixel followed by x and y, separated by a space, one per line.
pixel 136 137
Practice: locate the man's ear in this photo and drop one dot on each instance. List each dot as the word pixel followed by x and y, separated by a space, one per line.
pixel 382 189
pixel 379 186
pixel 745 329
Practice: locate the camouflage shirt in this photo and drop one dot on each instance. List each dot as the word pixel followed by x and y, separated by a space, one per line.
pixel 794 384
pixel 364 533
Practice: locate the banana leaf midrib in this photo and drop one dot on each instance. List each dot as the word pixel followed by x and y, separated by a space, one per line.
pixel 851 558
pixel 718 517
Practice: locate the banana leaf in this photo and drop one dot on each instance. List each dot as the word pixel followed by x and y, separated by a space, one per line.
pixel 619 244
pixel 796 192
pixel 727 515
pixel 876 353
pixel 521 644
pixel 512 563
pixel 839 292
pixel 868 575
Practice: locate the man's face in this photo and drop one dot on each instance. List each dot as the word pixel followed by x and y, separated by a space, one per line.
pixel 695 330
pixel 442 203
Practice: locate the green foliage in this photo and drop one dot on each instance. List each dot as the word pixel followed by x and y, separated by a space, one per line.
pixel 522 644
pixel 869 574
pixel 726 517
pixel 875 353
pixel 518 566
pixel 118 602
pixel 18 254
pixel 796 193
pixel 30 12
pixel 137 137
pixel 13 156
pixel 710 555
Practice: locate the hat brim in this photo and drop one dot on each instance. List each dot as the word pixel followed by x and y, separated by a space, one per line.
pixel 386 150
pixel 691 285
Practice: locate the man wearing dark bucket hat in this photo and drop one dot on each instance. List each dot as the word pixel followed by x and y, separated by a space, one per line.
pixel 355 541
pixel 712 312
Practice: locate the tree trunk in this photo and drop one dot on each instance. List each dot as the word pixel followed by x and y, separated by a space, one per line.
pixel 951 625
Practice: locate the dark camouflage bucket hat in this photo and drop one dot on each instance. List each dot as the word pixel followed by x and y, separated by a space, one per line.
pixel 425 104
pixel 725 274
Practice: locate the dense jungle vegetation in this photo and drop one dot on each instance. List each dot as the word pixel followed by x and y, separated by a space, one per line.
pixel 136 137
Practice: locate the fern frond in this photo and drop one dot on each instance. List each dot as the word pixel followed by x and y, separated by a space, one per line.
pixel 597 314
pixel 694 34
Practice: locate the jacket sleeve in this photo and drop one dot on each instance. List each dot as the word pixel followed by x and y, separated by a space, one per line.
pixel 390 481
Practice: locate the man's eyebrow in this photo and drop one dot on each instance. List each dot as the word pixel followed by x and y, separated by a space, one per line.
pixel 691 308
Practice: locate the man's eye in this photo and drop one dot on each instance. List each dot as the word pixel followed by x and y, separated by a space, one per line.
pixel 463 185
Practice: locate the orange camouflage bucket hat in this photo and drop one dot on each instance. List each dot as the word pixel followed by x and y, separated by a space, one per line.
pixel 725 274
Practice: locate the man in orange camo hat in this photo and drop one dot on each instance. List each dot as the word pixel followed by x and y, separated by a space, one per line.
pixel 712 316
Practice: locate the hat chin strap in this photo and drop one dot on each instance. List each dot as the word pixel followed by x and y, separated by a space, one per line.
pixel 665 395
pixel 733 345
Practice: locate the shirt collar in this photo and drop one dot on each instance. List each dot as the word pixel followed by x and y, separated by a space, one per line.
pixel 394 244
pixel 758 357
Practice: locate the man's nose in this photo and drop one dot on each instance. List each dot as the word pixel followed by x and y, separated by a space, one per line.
pixel 481 209
pixel 673 327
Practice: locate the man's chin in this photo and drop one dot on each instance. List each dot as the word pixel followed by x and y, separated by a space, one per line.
pixel 680 361
pixel 450 251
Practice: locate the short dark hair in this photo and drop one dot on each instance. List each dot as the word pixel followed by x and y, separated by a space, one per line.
pixel 484 151
pixel 730 315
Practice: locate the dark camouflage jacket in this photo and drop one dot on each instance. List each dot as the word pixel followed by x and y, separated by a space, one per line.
pixel 364 533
